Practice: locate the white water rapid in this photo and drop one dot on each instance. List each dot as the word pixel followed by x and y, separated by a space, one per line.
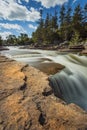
pixel 71 83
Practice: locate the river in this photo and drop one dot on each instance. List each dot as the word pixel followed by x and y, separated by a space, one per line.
pixel 70 84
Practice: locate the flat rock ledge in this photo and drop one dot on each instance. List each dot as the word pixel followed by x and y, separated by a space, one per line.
pixel 27 101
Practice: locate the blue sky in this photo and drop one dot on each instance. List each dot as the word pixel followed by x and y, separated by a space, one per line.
pixel 21 16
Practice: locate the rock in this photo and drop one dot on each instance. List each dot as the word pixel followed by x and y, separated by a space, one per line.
pixel 78 47
pixel 50 68
pixel 27 101
pixel 84 52
pixel 74 48
pixel 3 48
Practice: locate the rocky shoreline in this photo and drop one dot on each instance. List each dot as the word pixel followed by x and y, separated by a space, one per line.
pixel 27 101
pixel 81 49
pixel 3 48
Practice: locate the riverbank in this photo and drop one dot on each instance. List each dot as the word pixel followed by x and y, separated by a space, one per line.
pixel 3 48
pixel 81 49
pixel 27 101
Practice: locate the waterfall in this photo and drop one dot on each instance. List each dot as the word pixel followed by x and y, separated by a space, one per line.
pixel 71 83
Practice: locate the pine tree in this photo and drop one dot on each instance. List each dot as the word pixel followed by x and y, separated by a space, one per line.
pixel 62 15
pixel 75 38
pixel 55 21
pixel 23 39
pixel 68 26
pixel 38 35
pixel 11 39
pixel 85 13
pixel 77 21
pixel 72 27
pixel 77 17
pixel 62 22
pixel 84 31
pixel 41 21
pixel 47 29
pixel 68 17
pixel 1 41
pixel 47 21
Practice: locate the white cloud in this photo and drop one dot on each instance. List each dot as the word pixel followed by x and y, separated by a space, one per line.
pixel 27 1
pixel 11 26
pixel 20 1
pixel 32 26
pixel 51 3
pixel 5 34
pixel 19 29
pixel 11 10
pixel 74 1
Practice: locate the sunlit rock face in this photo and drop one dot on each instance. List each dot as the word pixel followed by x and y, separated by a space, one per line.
pixel 27 101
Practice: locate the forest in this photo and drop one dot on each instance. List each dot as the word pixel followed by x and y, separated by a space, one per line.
pixel 63 26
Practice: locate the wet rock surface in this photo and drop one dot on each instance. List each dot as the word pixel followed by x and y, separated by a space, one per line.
pixel 50 68
pixel 27 101
pixel 3 48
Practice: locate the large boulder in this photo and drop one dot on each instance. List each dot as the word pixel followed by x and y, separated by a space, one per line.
pixel 27 101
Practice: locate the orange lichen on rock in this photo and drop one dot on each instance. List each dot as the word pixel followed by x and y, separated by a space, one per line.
pixel 27 101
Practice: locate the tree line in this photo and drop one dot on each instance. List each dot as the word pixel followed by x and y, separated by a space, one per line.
pixel 68 26
pixel 22 39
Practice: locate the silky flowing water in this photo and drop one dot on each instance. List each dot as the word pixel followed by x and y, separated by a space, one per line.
pixel 70 84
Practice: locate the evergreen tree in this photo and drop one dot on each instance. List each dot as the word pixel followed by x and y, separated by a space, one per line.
pixel 62 15
pixel 84 31
pixel 1 41
pixel 77 21
pixel 41 21
pixel 68 25
pixel 11 40
pixel 55 21
pixel 68 17
pixel 62 22
pixel 77 18
pixel 75 38
pixel 38 35
pixel 46 30
pixel 23 39
pixel 47 21
pixel 51 29
pixel 71 27
pixel 85 13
